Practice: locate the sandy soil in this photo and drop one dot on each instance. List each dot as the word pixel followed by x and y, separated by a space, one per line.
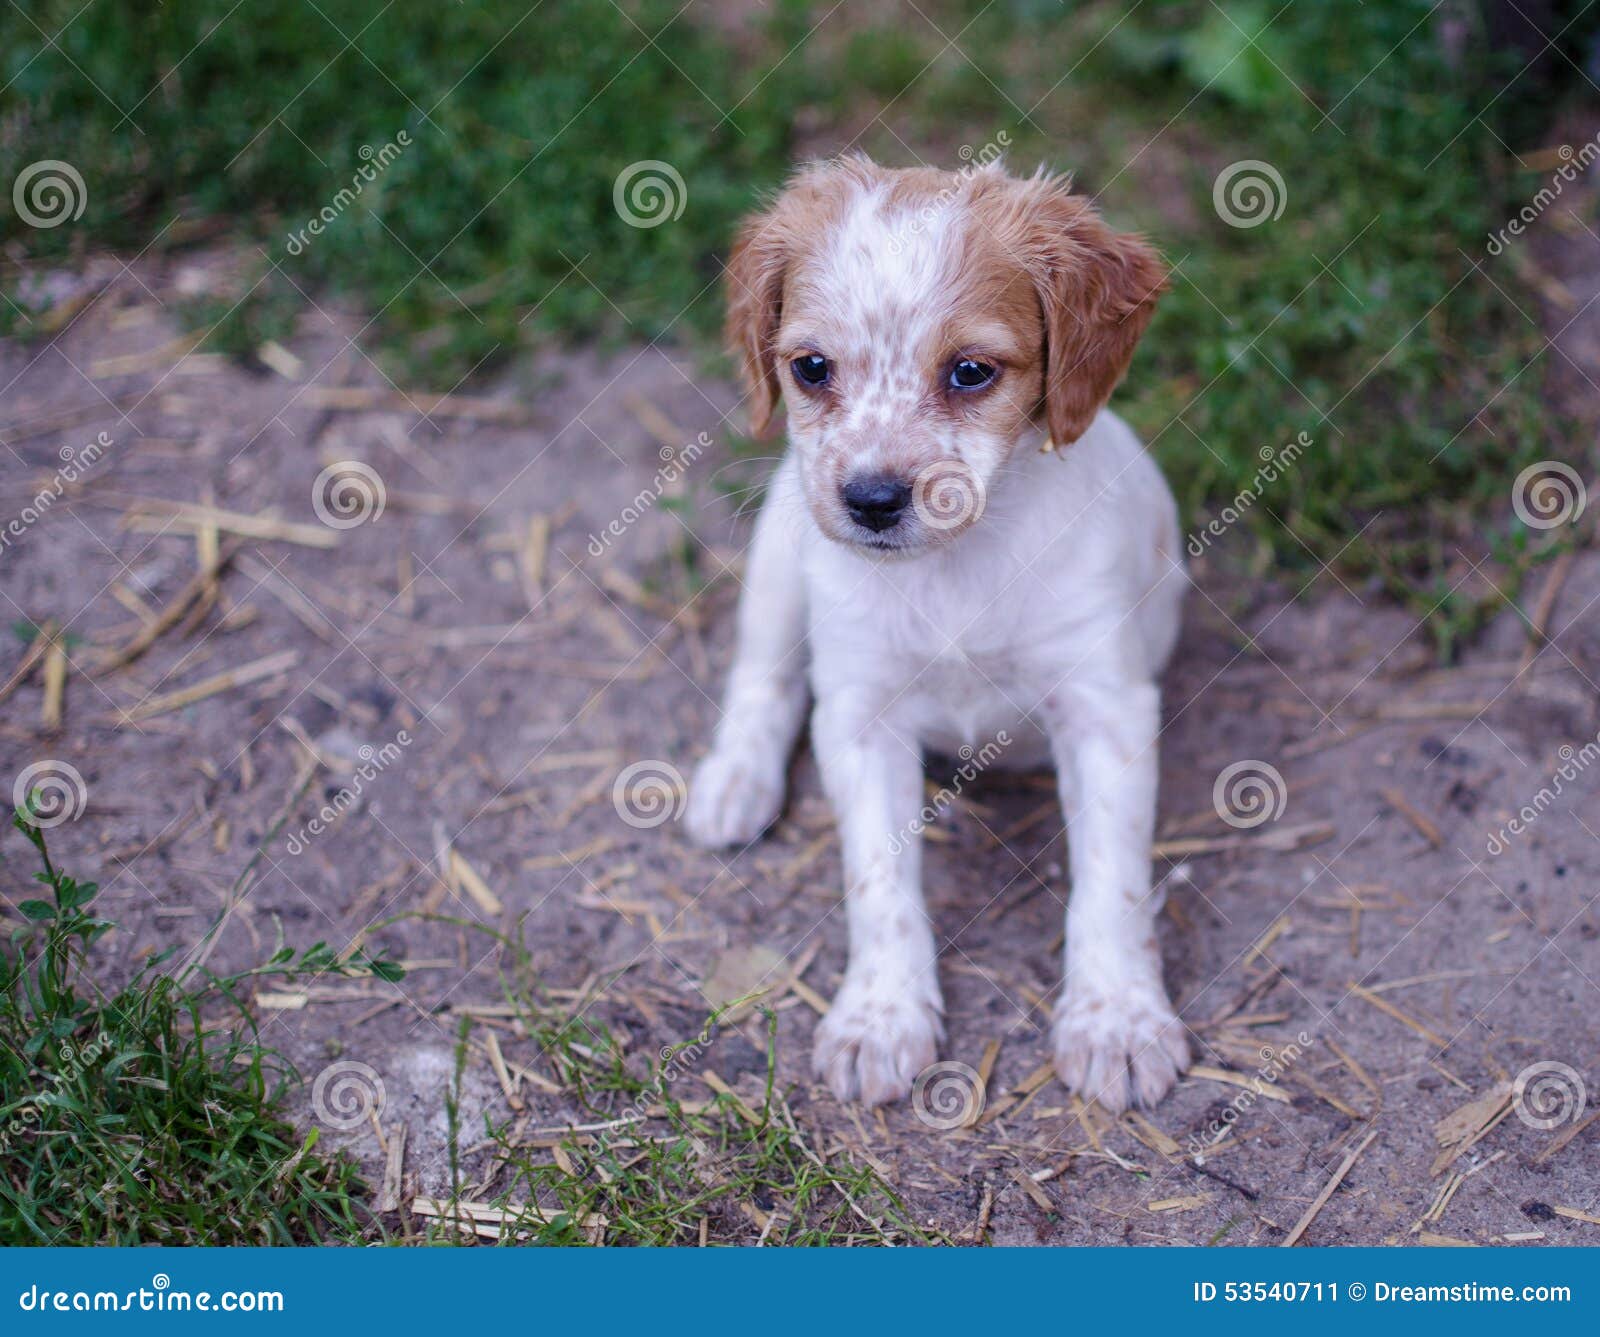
pixel 1362 949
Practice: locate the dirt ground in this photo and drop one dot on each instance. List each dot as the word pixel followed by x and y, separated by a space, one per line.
pixel 1355 968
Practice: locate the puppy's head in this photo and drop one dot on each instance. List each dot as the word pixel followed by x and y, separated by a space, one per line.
pixel 917 323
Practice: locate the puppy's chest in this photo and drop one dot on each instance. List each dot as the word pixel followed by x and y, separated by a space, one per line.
pixel 966 655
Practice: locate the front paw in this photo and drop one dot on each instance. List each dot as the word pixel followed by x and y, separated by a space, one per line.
pixel 733 798
pixel 874 1041
pixel 1119 1047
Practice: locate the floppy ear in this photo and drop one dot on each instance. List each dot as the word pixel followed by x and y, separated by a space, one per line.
pixel 1097 289
pixel 755 301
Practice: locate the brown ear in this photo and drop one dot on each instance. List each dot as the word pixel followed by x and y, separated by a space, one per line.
pixel 1098 289
pixel 755 301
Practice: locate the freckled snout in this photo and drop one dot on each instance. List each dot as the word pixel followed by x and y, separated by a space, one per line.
pixel 876 501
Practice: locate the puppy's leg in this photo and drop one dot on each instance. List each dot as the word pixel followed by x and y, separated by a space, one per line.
pixel 884 1025
pixel 737 790
pixel 1117 1038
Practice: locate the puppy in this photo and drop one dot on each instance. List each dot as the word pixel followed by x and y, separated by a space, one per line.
pixel 957 585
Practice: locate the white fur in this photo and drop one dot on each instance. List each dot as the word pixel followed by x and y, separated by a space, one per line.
pixel 1047 619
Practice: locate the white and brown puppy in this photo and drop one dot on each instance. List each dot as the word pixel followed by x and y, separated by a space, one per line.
pixel 928 333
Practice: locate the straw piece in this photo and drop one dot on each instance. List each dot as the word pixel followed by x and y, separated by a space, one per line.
pixel 1151 1136
pixel 310 616
pixel 1178 1204
pixel 1566 1136
pixel 55 684
pixel 192 516
pixel 498 1063
pixel 567 858
pixel 1540 620
pixel 534 555
pixel 1385 1006
pixel 1401 804
pixel 991 1053
pixel 723 1089
pixel 1255 1085
pixel 1280 839
pixel 172 614
pixel 1321 1199
pixel 466 877
pixel 1464 1128
pixel 30 657
pixel 667 433
pixel 14 433
pixel 393 1169
pixel 146 359
pixel 277 1001
pixel 482 1214
pixel 254 671
pixel 1279 927
pixel 1030 1186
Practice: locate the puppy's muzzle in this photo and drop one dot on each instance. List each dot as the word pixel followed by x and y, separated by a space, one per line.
pixel 876 502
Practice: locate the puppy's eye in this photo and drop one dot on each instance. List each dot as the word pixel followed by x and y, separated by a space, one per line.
pixel 812 369
pixel 970 374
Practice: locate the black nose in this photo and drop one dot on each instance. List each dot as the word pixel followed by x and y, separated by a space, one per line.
pixel 876 502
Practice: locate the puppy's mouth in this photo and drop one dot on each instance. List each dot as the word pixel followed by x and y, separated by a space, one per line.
pixel 901 542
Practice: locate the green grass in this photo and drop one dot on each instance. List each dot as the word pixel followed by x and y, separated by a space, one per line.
pixel 149 1113
pixel 677 1158
pixel 1355 316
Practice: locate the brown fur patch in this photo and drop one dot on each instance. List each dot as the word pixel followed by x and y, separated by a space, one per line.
pixel 1096 289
